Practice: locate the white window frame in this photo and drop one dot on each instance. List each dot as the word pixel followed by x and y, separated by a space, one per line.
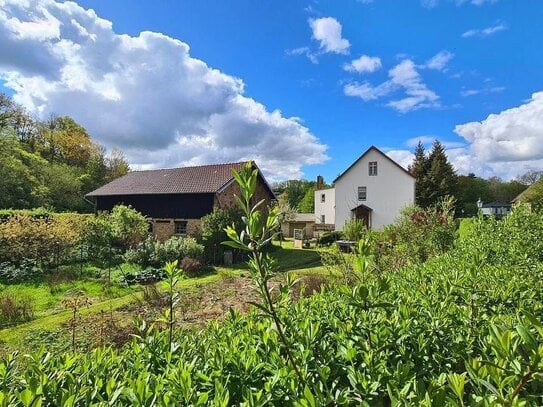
pixel 323 198
pixel 372 168
pixel 362 193
pixel 323 218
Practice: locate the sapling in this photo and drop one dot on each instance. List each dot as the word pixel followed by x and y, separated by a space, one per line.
pixel 74 304
pixel 173 275
pixel 258 231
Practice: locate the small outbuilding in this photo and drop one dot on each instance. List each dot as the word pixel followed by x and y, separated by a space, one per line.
pixel 304 221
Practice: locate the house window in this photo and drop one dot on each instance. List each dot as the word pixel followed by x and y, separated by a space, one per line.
pixel 180 227
pixel 323 219
pixel 323 198
pixel 362 193
pixel 373 168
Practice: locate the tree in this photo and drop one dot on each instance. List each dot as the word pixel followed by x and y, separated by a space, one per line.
pixel 294 191
pixel 307 204
pixel 67 142
pixel 116 164
pixel 442 179
pixel 469 190
pixel 21 180
pixel 64 188
pixel 419 169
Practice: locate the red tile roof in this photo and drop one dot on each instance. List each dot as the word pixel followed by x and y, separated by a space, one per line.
pixel 185 180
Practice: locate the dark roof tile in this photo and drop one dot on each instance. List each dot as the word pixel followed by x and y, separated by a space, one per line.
pixel 185 180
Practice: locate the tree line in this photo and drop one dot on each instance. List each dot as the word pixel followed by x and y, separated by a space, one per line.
pixel 51 163
pixel 436 179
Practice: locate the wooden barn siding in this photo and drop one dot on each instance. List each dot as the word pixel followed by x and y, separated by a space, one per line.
pixel 173 206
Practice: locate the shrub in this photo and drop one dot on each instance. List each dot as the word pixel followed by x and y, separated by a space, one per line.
pixel 13 310
pixel 152 252
pixel 191 267
pixel 327 238
pixel 47 239
pixel 129 227
pixel 354 230
pixel 26 270
pixel 147 276
pixel 113 233
pixel 213 234
pixel 416 236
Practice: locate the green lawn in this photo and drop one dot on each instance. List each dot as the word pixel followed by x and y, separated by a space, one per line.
pixel 50 313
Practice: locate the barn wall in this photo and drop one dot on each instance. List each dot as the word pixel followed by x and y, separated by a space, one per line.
pixel 162 206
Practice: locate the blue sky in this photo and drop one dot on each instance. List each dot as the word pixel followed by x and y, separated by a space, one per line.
pixel 304 87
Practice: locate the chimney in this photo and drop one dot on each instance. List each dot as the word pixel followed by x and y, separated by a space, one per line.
pixel 320 181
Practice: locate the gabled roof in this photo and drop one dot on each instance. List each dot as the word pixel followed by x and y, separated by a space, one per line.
pixel 496 204
pixel 524 194
pixel 367 208
pixel 184 180
pixel 373 148
pixel 303 217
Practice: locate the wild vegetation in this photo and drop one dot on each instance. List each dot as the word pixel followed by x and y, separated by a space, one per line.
pixel 51 163
pixel 462 326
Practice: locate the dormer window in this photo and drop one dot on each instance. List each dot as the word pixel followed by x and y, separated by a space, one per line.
pixel 373 168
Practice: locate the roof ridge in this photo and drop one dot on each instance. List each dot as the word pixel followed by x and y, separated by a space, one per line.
pixel 192 166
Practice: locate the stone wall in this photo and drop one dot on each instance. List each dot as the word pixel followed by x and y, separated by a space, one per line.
pixel 163 229
pixel 226 198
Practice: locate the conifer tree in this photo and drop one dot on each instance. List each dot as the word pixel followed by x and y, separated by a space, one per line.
pixel 419 169
pixel 441 176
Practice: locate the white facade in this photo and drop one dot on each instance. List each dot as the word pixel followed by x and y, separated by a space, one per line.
pixel 325 206
pixel 381 195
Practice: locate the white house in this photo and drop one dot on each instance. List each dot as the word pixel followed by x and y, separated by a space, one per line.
pixel 374 189
pixel 325 213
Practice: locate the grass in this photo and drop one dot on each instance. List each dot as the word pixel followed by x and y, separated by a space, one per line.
pixel 51 314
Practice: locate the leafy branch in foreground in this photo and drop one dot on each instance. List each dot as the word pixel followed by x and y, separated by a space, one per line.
pixel 173 275
pixel 258 232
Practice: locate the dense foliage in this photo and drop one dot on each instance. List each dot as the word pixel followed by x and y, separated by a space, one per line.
pixel 417 235
pixel 50 163
pixel 152 252
pixel 33 242
pixel 213 234
pixel 463 328
pixel 25 237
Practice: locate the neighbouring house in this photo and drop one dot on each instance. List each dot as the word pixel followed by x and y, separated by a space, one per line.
pixel 176 199
pixel 496 208
pixel 325 209
pixel 531 195
pixel 304 221
pixel 375 189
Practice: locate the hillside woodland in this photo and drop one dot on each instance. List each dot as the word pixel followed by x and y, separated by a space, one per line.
pixel 51 163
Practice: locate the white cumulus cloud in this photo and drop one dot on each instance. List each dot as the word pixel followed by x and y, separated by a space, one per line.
pixel 327 30
pixel 507 144
pixel 405 77
pixel 513 135
pixel 363 64
pixel 145 94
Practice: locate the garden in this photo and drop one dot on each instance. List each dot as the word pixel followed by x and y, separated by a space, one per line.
pixel 426 312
